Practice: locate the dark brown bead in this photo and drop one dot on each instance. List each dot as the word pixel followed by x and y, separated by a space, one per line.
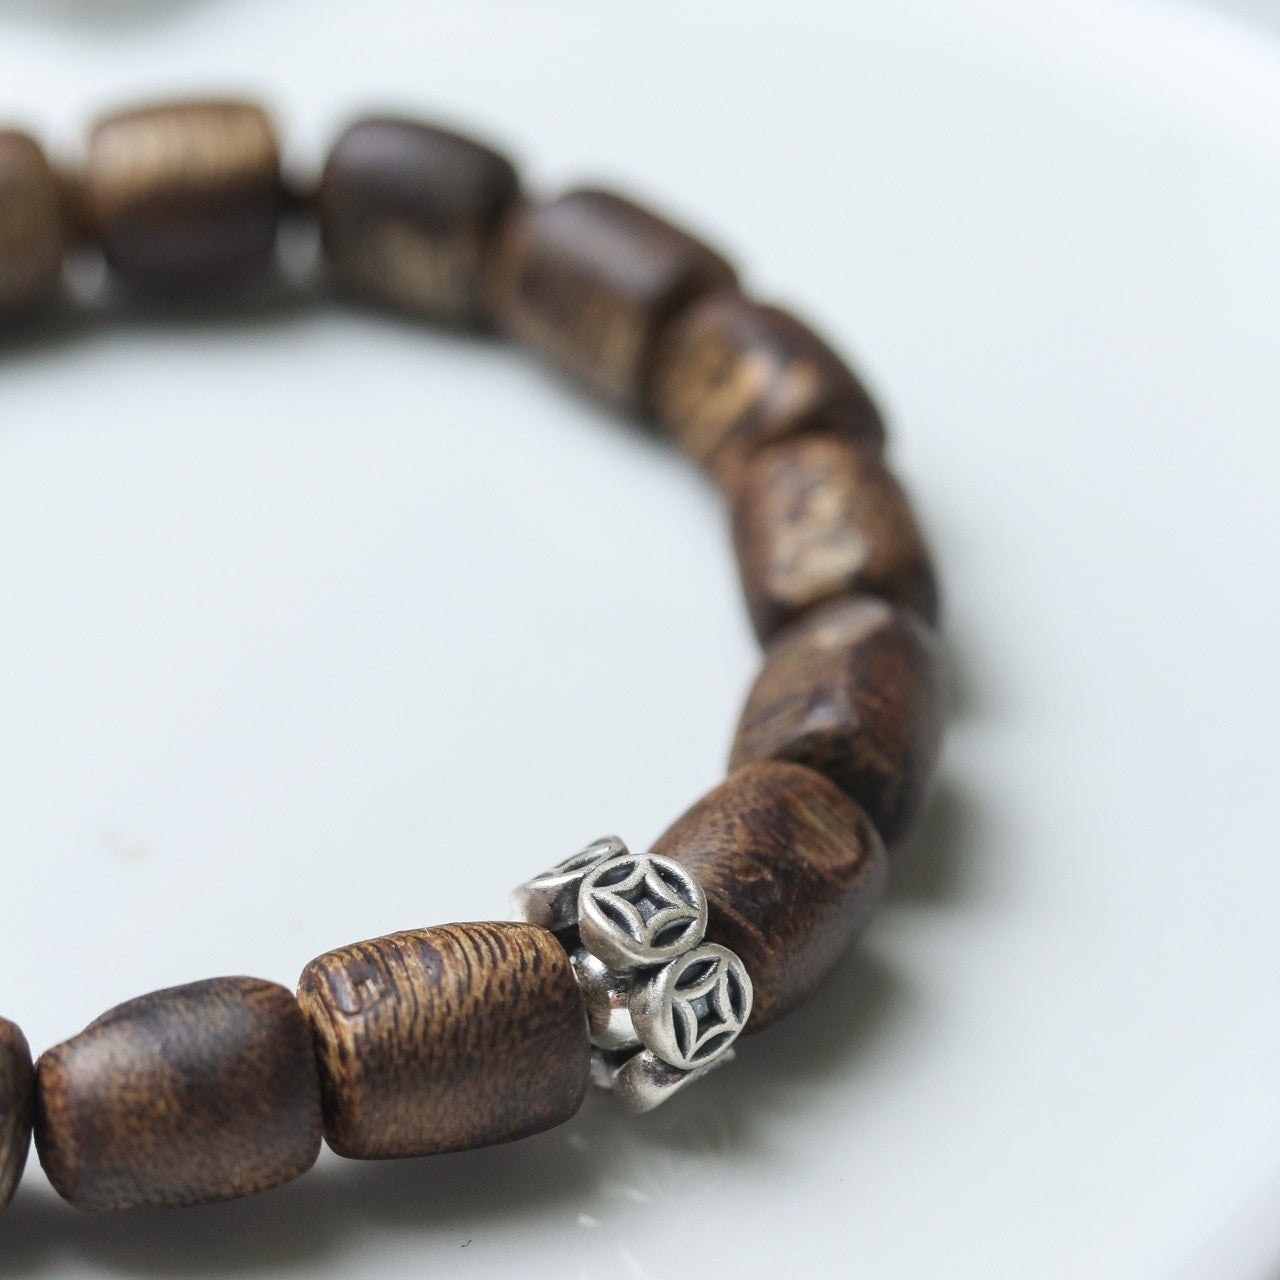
pixel 201 1092
pixel 590 281
pixel 792 870
pixel 445 1038
pixel 17 1105
pixel 32 234
pixel 819 516
pixel 184 190
pixel 731 374
pixel 853 690
pixel 408 215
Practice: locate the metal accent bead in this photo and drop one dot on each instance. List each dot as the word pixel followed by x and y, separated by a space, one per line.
pixel 607 996
pixel 644 1081
pixel 640 910
pixel 690 1011
pixel 663 1007
pixel 551 899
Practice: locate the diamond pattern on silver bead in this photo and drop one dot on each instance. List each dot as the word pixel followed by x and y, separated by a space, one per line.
pixel 663 1007
pixel 691 1010
pixel 640 910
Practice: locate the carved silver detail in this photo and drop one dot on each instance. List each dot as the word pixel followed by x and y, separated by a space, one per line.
pixel 690 1011
pixel 663 1007
pixel 640 910
pixel 551 899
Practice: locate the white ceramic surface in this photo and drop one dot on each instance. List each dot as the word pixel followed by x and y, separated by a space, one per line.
pixel 302 636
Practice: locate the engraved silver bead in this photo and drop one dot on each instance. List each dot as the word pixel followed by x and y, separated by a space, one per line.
pixel 640 910
pixel 663 1006
pixel 551 899
pixel 690 1011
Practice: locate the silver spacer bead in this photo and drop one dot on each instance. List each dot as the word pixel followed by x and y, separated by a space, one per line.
pixel 551 899
pixel 644 1081
pixel 607 996
pixel 640 910
pixel 663 1007
pixel 691 1010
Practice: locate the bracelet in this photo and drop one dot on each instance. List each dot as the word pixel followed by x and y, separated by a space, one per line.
pixel 637 972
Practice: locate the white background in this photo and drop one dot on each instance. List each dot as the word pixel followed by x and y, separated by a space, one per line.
pixel 316 625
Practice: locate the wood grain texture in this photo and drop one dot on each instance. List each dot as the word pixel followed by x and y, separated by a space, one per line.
pixel 820 516
pixel 590 281
pixel 854 690
pixel 202 1092
pixel 792 870
pixel 446 1038
pixel 32 231
pixel 731 374
pixel 184 190
pixel 17 1107
pixel 408 216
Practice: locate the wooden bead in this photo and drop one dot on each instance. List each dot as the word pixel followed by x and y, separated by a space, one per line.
pixel 445 1038
pixel 731 374
pixel 17 1105
pixel 590 280
pixel 201 1092
pixel 184 189
pixel 854 690
pixel 820 516
pixel 408 215
pixel 32 235
pixel 792 870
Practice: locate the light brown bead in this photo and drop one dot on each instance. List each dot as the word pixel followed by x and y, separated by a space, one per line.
pixel 17 1105
pixel 792 870
pixel 732 374
pixel 820 516
pixel 853 690
pixel 591 280
pixel 202 1092
pixel 184 190
pixel 445 1038
pixel 408 216
pixel 32 234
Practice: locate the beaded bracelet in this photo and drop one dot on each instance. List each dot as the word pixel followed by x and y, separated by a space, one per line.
pixel 637 972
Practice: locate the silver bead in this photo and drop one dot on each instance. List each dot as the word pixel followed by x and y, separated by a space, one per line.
pixel 644 1081
pixel 640 910
pixel 551 899
pixel 690 1011
pixel 663 1007
pixel 607 996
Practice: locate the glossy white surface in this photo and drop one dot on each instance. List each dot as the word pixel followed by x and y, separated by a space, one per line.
pixel 301 636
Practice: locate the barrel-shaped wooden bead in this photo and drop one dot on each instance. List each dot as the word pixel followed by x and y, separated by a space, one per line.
pixel 184 190
pixel 819 516
pixel 201 1092
pixel 853 690
pixel 408 215
pixel 17 1107
pixel 792 869
pixel 732 374
pixel 32 232
pixel 446 1038
pixel 591 280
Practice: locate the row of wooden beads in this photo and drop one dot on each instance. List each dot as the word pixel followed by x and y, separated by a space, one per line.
pixel 425 1041
pixel 836 576
pixel 636 310
pixel 646 316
